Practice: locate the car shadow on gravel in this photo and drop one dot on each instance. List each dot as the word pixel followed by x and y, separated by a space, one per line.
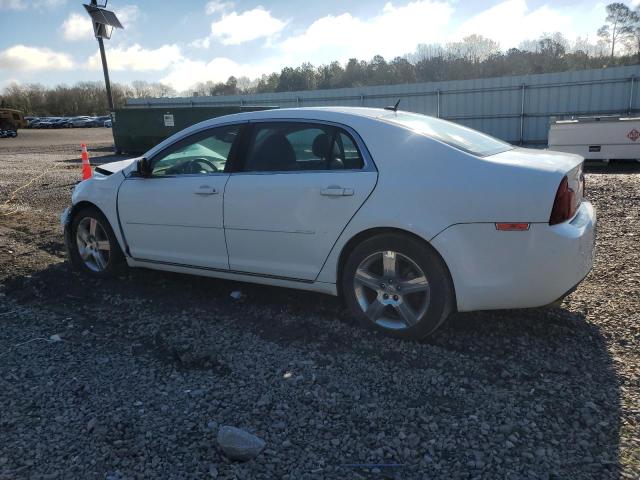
pixel 543 379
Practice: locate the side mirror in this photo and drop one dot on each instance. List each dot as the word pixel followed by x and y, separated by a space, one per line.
pixel 144 167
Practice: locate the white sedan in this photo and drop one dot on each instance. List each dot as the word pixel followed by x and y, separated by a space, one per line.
pixel 408 217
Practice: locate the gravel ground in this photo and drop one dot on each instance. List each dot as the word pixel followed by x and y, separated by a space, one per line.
pixel 150 365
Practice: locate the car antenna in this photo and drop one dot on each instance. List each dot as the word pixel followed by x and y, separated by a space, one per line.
pixel 394 108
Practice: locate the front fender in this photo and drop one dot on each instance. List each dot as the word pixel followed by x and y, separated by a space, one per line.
pixel 101 192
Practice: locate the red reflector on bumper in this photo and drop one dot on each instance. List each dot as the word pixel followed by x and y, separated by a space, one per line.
pixel 512 227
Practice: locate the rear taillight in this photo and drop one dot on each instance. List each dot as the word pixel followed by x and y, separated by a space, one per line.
pixel 565 204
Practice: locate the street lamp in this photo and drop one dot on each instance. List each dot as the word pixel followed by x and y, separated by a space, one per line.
pixel 104 21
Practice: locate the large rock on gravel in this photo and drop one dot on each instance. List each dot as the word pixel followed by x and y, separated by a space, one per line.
pixel 238 444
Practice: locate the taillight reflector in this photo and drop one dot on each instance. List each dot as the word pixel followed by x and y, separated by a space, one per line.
pixel 512 227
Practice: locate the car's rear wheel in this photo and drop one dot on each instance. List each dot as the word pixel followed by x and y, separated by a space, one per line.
pixel 397 285
pixel 93 247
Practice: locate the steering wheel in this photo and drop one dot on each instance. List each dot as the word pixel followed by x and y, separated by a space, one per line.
pixel 196 166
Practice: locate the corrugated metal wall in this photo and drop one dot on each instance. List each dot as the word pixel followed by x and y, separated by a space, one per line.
pixel 516 109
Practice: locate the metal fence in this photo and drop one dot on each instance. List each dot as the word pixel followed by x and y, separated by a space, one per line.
pixel 516 109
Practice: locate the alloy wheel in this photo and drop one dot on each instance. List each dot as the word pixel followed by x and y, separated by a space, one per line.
pixel 93 244
pixel 392 290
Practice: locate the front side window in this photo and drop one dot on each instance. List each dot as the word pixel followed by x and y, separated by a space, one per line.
pixel 201 154
pixel 292 146
pixel 458 136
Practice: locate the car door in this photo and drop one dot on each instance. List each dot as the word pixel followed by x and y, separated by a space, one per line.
pixel 298 186
pixel 176 214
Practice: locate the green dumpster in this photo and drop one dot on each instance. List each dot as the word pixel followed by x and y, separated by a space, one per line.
pixel 137 129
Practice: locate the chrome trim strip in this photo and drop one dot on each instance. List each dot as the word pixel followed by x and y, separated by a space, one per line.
pixel 303 232
pixel 183 175
pixel 174 225
pixel 222 270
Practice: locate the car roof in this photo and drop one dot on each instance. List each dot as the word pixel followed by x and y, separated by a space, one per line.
pixel 315 112
pixel 337 114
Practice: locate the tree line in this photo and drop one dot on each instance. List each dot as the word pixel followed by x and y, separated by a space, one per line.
pixel 83 98
pixel 474 56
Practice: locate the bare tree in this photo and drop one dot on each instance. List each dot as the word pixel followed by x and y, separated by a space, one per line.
pixel 474 48
pixel 426 52
pixel 621 22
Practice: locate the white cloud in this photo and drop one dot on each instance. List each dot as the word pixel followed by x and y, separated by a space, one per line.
pixel 127 14
pixel 394 31
pixel 215 6
pixel 201 43
pixel 234 28
pixel 138 59
pixel 23 58
pixel 512 21
pixel 187 73
pixel 77 27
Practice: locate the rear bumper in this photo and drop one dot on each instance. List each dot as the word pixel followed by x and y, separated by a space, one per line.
pixel 493 269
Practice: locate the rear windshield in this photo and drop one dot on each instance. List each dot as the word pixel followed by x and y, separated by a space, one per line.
pixel 463 138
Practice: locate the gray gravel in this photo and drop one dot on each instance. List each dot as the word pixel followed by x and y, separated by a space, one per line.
pixel 150 366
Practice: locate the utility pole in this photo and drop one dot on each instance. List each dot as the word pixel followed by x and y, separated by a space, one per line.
pixel 103 23
pixel 105 68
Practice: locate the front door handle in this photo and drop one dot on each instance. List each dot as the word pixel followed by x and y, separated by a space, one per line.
pixel 206 190
pixel 336 191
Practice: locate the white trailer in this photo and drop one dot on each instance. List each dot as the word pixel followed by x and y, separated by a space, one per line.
pixel 597 138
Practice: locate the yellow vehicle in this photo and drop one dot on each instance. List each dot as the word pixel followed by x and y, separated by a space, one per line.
pixel 11 119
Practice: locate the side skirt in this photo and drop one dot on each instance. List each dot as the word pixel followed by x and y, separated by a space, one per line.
pixel 320 287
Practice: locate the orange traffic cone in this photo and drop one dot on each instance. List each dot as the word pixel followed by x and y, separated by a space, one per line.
pixel 86 167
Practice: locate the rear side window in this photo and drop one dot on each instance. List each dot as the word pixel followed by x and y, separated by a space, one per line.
pixel 458 136
pixel 293 146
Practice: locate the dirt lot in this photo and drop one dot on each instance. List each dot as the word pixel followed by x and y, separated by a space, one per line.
pixel 151 364
pixel 44 141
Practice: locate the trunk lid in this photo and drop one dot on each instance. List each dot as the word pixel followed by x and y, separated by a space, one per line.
pixel 546 160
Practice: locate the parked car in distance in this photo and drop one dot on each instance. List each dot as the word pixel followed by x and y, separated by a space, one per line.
pixel 78 121
pixel 107 123
pixel 8 133
pixel 408 217
pixel 49 122
pixel 40 123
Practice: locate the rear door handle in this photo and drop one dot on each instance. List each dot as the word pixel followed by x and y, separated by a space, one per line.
pixel 206 190
pixel 335 191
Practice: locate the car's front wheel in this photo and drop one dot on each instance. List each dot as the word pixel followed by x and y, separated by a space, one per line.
pixel 93 247
pixel 397 285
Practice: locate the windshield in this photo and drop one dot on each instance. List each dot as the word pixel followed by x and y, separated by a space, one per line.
pixel 463 138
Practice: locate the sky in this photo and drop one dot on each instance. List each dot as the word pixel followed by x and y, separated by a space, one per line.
pixel 182 42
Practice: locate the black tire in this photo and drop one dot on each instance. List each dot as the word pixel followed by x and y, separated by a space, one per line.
pixel 438 303
pixel 114 263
